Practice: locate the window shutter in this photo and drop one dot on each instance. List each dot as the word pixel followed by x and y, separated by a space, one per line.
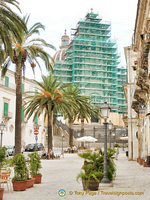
pixel 36 119
pixel 6 81
pixel 5 109
pixel 36 91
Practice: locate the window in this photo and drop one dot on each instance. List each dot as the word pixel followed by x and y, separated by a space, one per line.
pixel 36 119
pixel 6 81
pixel 5 109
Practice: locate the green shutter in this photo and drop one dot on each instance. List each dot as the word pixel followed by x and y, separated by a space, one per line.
pixel 22 87
pixel 36 91
pixel 6 81
pixel 5 109
pixel 22 114
pixel 36 119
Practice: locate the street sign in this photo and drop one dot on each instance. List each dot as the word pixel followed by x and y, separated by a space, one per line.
pixel 36 132
pixel 36 138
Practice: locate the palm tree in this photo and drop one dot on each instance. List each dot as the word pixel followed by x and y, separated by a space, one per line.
pixel 49 100
pixel 85 112
pixel 29 49
pixel 10 25
pixel 81 108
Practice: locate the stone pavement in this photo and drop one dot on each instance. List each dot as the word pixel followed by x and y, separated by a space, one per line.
pixel 132 181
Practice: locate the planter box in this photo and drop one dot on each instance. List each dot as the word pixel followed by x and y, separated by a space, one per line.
pixel 92 185
pixel 30 182
pixel 38 178
pixel 1 193
pixel 141 161
pixel 19 185
pixel 145 164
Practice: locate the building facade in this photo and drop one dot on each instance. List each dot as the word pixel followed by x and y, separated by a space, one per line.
pixel 91 61
pixel 7 112
pixel 138 86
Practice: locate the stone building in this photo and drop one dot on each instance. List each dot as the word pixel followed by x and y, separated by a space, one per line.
pixel 7 112
pixel 91 61
pixel 138 86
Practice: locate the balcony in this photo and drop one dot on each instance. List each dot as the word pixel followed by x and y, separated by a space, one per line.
pixel 135 106
pixel 141 96
pixel 7 116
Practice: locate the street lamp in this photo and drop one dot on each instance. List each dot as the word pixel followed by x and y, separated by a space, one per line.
pixel 110 127
pixel 2 126
pixel 105 110
pixel 62 151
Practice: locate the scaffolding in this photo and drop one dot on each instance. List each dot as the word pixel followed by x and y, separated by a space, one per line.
pixel 92 63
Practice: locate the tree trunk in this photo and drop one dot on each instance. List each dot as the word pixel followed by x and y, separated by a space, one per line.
pixel 82 131
pixel 71 134
pixel 18 118
pixel 50 131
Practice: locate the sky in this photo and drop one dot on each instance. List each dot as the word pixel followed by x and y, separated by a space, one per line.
pixel 59 15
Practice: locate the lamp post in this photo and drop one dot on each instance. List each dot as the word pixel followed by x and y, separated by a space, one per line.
pixel 110 127
pixel 2 126
pixel 62 151
pixel 105 109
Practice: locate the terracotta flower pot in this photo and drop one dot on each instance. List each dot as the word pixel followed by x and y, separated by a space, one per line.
pixel 145 164
pixel 38 178
pixel 93 184
pixel 30 182
pixel 141 161
pixel 19 185
pixel 1 193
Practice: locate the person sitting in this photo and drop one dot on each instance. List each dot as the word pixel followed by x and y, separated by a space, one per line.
pixel 44 155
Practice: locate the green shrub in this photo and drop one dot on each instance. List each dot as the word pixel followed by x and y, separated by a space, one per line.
pixel 116 145
pixel 94 165
pixel 34 163
pixel 2 156
pixel 20 169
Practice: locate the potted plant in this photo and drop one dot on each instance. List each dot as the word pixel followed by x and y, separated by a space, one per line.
pixel 2 160
pixel 35 166
pixel 20 172
pixel 92 171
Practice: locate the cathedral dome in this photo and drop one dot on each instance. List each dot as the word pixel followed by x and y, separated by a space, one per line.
pixel 61 54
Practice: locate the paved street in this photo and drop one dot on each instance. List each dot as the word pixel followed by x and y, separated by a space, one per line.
pixel 132 180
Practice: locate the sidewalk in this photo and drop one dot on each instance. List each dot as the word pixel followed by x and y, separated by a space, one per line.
pixel 131 179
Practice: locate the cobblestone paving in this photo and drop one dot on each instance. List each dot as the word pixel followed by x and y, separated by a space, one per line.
pixel 132 182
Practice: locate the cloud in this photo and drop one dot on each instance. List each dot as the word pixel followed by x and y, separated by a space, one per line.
pixel 59 15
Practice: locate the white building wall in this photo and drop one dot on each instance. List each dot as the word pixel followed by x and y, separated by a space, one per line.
pixel 7 94
pixel 132 116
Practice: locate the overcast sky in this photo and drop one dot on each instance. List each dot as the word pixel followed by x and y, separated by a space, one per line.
pixel 59 15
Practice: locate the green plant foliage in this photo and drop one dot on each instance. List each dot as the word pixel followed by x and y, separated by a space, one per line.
pixel 116 145
pixel 94 165
pixel 2 156
pixel 92 168
pixel 34 163
pixel 20 168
